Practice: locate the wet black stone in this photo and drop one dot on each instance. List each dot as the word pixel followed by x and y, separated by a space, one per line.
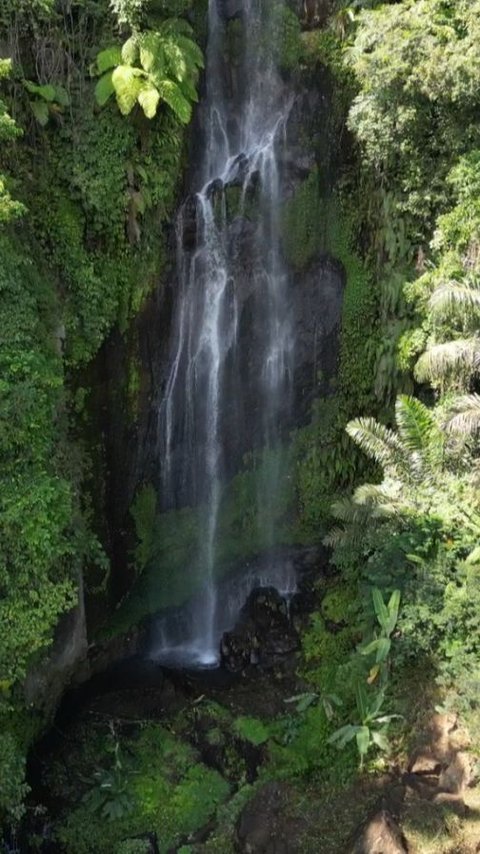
pixel 263 634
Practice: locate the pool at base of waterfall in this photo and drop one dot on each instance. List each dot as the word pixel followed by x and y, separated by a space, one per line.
pixel 178 638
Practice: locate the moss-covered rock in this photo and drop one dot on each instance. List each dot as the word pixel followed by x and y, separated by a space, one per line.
pixel 161 787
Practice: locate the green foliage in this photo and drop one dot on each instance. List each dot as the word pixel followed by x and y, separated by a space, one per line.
pixel 417 102
pixel 464 414
pixel 94 220
pixel 134 846
pixel 285 35
pixel 110 795
pixel 144 510
pixel 9 208
pixel 252 730
pixel 303 748
pixel 137 13
pixel 49 100
pixel 371 729
pixel 152 66
pixel 43 538
pixel 302 222
pixel 326 461
pixel 99 191
pixel 41 548
pixel 12 778
pixel 170 791
pixel 423 522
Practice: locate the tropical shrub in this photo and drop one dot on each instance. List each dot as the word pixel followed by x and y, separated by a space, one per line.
pixel 151 67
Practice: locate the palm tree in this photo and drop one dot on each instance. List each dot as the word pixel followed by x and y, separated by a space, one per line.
pixel 151 67
pixel 411 458
pixel 454 361
pixel 452 298
pixel 464 415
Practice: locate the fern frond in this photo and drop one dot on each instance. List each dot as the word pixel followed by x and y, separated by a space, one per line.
pixel 177 27
pixel 188 89
pixel 464 416
pixel 191 50
pixel 151 52
pixel 171 93
pixel 175 59
pixel 456 359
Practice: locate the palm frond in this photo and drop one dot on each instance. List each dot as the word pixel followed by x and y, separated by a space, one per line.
pixel 337 537
pixel 376 499
pixel 380 443
pixel 419 431
pixel 347 510
pixel 452 296
pixel 455 359
pixel 464 415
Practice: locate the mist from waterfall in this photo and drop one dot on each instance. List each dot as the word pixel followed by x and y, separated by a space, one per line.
pixel 243 136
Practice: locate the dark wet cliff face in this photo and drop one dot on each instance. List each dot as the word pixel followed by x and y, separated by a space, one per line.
pixel 134 439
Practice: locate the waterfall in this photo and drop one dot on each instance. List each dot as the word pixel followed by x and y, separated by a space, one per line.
pixel 244 126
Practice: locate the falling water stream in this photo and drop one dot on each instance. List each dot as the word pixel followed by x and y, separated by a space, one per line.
pixel 244 134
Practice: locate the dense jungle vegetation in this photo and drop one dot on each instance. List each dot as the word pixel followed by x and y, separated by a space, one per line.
pixel 95 102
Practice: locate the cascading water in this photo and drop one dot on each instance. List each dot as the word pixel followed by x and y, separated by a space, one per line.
pixel 244 132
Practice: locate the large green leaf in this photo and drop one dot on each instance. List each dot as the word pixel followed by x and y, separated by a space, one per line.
pixel 128 83
pixel 61 96
pixel 46 91
pixel 149 98
pixel 104 89
pixel 363 740
pixel 342 736
pixel 40 111
pixel 381 610
pixel 176 27
pixel 108 58
pixel 393 608
pixel 130 51
pixel 362 701
pixel 381 648
pixel 457 359
pixel 464 414
pixel 380 740
pixel 474 557
pixel 452 298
